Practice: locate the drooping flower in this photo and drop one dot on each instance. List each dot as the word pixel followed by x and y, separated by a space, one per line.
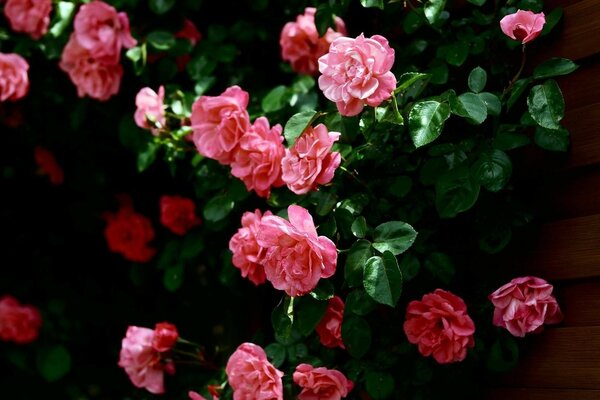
pixel 18 323
pixel 150 112
pixel 178 214
pixel 321 383
pixel 245 248
pixel 29 16
pixel 141 361
pixel 523 26
pixel 329 328
pixel 14 81
pixel 48 166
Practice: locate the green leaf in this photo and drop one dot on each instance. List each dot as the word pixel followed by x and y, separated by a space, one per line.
pixel 147 156
pixel 308 313
pixel 413 21
pixel 360 303
pixel 356 334
pixel 477 79
pixel 554 67
pixel 492 170
pixel 426 120
pixel 63 16
pixel 552 139
pixel 389 114
pixel 359 227
pixel 296 125
pixel 552 18
pixel 457 53
pixel 355 262
pixel 408 79
pixel 507 141
pixel 455 192
pixel 441 266
pixel 433 9
pixel 503 355
pixel 218 207
pixel 372 3
pixel 492 103
pixel 546 104
pixel 477 2
pixel 192 245
pixel 53 363
pixel 394 236
pixel 173 278
pixel 276 353
pixel 383 280
pixel 275 100
pixel 161 6
pixel 409 266
pixel 282 319
pixel 323 18
pixel 517 90
pixel 161 40
pixel 323 291
pixel 380 385
pixel 470 106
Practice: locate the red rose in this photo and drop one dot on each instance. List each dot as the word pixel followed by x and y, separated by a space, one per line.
pixel 19 324
pixel 48 166
pixel 329 328
pixel 165 336
pixel 178 214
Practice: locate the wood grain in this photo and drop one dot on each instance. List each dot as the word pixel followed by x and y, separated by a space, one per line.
pixel 580 303
pixel 542 394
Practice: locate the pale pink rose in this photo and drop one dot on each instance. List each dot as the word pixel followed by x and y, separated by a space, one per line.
pixel 14 81
pixel 329 328
pixel 218 123
pixel 524 305
pixel 257 162
pixel 440 326
pixel 18 323
pixel 91 77
pixel 310 161
pixel 523 26
pixel 295 258
pixel 356 72
pixel 29 16
pixel 301 45
pixel 150 112
pixel 141 362
pixel 245 248
pixel 102 31
pixel 252 376
pixel 321 383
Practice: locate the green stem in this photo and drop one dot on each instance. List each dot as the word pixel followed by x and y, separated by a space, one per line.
pixel 517 75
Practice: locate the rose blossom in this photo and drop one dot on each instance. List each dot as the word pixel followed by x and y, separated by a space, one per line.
pixel 356 72
pixel 218 123
pixel 301 45
pixel 14 82
pixel 48 165
pixel 91 77
pixel 18 323
pixel 321 383
pixel 29 16
pixel 310 161
pixel 523 26
pixel 245 248
pixel 439 324
pixel 141 362
pixel 329 328
pixel 524 305
pixel 295 258
pixel 252 376
pixel 150 108
pixel 190 32
pixel 102 31
pixel 165 336
pixel 213 390
pixel 257 162
pixel 178 214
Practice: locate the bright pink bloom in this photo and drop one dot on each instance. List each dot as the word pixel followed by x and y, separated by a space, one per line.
pixel 356 72
pixel 524 305
pixel 150 112
pixel 197 396
pixel 321 383
pixel 310 161
pixel 29 16
pixel 218 123
pixel 329 328
pixel 14 82
pixel 141 362
pixel 257 162
pixel 128 233
pixel 245 248
pixel 18 323
pixel 523 26
pixel 295 258
pixel 252 376
pixel 301 45
pixel 91 77
pixel 178 214
pixel 440 326
pixel 48 165
pixel 190 32
pixel 165 336
pixel 102 31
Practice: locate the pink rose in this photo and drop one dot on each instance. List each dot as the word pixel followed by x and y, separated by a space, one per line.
pixel 257 162
pixel 150 113
pixel 29 16
pixel 523 25
pixel 440 326
pixel 310 161
pixel 197 396
pixel 245 248
pixel 91 77
pixel 524 305
pixel 18 323
pixel 141 362
pixel 178 214
pixel 14 82
pixel 295 258
pixel 218 123
pixel 102 31
pixel 165 336
pixel 356 72
pixel 252 376
pixel 321 383
pixel 301 45
pixel 329 328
